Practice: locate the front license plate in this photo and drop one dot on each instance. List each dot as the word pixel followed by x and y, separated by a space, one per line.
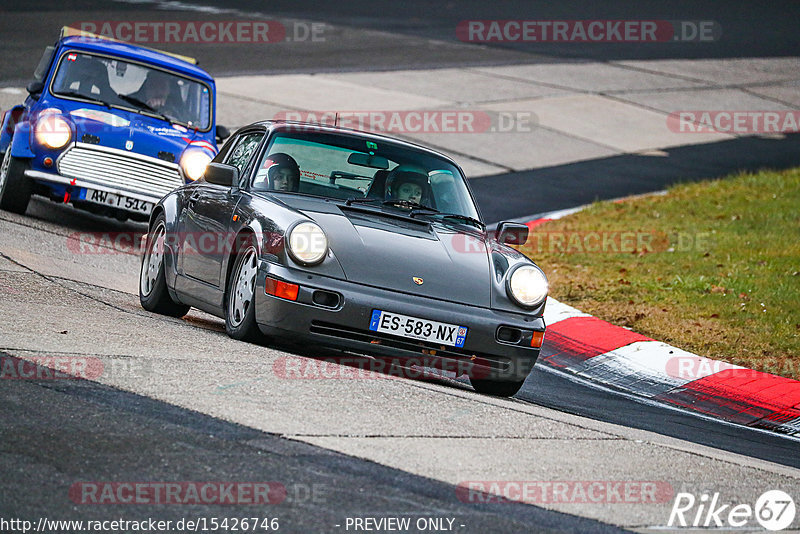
pixel 413 327
pixel 119 201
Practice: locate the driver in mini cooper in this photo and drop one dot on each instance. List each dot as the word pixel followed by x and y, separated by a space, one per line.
pixel 155 91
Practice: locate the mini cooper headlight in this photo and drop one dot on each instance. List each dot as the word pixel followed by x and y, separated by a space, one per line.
pixel 52 131
pixel 194 163
pixel 527 285
pixel 307 243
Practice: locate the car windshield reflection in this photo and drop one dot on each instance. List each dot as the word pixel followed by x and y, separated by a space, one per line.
pixel 358 170
pixel 114 82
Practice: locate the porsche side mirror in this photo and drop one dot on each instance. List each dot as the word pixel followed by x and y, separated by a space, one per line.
pixel 221 174
pixel 511 233
pixel 222 133
pixel 35 88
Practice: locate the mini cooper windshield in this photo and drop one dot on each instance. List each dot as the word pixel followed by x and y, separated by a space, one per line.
pixel 360 170
pixel 114 82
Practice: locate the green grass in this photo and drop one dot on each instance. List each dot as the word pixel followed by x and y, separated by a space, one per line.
pixel 720 277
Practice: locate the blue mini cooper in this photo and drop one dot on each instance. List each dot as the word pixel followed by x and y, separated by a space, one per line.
pixel 108 127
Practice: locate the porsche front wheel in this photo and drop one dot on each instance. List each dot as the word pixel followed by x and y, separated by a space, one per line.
pixel 240 313
pixel 498 388
pixel 153 293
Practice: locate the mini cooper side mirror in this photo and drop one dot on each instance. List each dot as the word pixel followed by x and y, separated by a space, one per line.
pixel 35 88
pixel 221 174
pixel 511 233
pixel 222 133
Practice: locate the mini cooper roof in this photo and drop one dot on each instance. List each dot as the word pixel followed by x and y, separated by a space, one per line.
pixel 87 42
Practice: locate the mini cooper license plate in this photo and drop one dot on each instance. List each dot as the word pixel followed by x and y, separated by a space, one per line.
pixel 119 201
pixel 413 327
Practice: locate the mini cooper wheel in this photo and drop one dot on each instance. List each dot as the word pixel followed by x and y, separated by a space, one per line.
pixel 240 298
pixel 15 188
pixel 153 293
pixel 498 388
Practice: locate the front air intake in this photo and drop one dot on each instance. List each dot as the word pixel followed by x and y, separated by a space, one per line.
pixel 507 334
pixel 326 299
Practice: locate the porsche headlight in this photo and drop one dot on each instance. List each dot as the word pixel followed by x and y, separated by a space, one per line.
pixel 194 164
pixel 52 131
pixel 307 243
pixel 527 285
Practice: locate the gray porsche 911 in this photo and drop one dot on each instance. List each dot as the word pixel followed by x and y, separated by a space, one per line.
pixel 331 237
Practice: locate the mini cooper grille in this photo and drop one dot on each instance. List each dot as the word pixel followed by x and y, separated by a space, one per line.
pixel 126 171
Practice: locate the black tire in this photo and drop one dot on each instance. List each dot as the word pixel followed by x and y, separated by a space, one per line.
pixel 153 293
pixel 240 295
pixel 15 188
pixel 498 388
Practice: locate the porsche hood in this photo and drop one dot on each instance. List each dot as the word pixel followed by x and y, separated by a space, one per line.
pixel 430 260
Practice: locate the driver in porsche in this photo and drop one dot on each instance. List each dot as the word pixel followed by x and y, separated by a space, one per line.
pixel 410 183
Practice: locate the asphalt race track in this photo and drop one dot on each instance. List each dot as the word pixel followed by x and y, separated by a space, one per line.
pixel 185 403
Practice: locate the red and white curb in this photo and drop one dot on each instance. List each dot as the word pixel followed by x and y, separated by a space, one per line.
pixel 600 352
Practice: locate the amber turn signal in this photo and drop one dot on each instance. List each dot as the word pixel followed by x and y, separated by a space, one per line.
pixel 537 339
pixel 280 289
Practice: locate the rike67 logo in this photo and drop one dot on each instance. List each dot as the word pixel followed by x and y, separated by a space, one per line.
pixel 774 510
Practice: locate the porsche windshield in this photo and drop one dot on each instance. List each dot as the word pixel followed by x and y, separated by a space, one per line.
pixel 362 170
pixel 119 83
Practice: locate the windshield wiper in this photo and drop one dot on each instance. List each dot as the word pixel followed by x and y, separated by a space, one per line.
pixel 144 106
pixel 415 207
pixel 76 94
pixel 418 209
pixel 466 218
pixel 136 102
pixel 359 200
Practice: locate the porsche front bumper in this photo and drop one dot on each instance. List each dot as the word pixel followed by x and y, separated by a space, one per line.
pixel 336 313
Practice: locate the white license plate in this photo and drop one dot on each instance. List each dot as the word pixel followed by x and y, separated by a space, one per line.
pixel 415 328
pixel 119 201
